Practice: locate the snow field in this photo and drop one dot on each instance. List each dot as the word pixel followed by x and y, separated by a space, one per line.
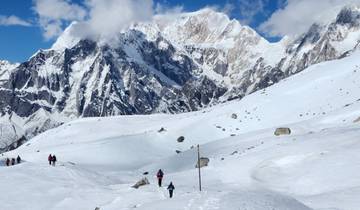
pixel 316 167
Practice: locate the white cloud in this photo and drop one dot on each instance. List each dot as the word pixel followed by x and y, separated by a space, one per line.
pixel 97 18
pixel 51 28
pixel 228 8
pixel 53 13
pixel 108 17
pixel 250 8
pixel 163 9
pixel 298 15
pixel 13 20
pixel 59 9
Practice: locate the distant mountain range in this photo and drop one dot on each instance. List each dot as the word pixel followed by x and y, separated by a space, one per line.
pixel 174 64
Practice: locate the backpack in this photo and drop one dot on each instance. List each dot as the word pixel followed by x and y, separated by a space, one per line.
pixel 160 174
pixel 171 187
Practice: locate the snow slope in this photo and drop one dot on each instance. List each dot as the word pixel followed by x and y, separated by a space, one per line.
pixel 316 167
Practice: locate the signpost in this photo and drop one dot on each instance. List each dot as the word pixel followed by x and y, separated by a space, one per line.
pixel 198 151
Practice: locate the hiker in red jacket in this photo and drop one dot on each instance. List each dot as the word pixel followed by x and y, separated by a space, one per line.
pixel 50 159
pixel 7 161
pixel 160 176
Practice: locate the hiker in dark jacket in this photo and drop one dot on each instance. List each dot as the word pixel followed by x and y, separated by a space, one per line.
pixel 50 159
pixel 13 161
pixel 171 189
pixel 53 160
pixel 18 159
pixel 160 176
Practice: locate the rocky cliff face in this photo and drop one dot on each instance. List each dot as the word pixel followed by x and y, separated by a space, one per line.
pixel 171 65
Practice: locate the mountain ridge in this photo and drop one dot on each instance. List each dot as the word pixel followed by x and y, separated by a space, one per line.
pixel 169 67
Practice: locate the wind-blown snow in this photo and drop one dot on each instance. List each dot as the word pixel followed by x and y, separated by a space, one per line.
pixel 68 38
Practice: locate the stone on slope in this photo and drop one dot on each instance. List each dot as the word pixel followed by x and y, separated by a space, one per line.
pixel 142 182
pixel 181 139
pixel 204 161
pixel 357 120
pixel 282 131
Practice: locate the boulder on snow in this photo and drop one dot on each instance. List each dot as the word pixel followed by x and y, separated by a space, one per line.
pixel 142 182
pixel 234 116
pixel 177 151
pixel 233 153
pixel 357 120
pixel 162 130
pixel 282 131
pixel 204 161
pixel 181 139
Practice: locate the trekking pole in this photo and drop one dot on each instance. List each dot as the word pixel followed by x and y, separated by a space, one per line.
pixel 198 151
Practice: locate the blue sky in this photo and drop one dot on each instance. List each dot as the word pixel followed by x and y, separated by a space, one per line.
pixel 29 25
pixel 19 42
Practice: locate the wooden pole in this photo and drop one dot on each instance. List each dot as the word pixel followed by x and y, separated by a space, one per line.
pixel 198 150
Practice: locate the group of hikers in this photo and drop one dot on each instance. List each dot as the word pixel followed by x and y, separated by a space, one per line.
pixel 13 161
pixel 171 187
pixel 10 162
pixel 52 159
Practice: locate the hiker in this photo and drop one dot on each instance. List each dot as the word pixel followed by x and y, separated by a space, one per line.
pixel 53 160
pixel 160 176
pixel 50 159
pixel 7 161
pixel 171 189
pixel 18 159
pixel 12 161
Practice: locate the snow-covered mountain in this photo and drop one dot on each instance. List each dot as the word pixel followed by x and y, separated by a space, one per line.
pixel 317 166
pixel 174 64
pixel 325 42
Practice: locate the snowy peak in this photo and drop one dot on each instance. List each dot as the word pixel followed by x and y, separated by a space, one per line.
pixel 203 27
pixel 349 15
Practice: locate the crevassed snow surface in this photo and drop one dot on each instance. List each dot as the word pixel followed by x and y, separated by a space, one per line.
pixel 316 167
